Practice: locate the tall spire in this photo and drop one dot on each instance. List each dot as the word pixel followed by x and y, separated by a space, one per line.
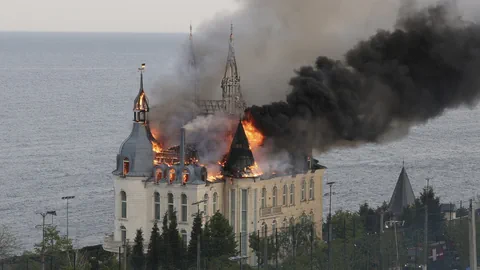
pixel 193 66
pixel 191 30
pixel 140 105
pixel 231 92
pixel 403 195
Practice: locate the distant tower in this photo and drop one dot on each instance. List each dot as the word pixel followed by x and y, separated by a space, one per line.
pixel 192 65
pixel 231 92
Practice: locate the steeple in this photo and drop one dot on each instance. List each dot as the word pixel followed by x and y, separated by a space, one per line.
pixel 231 92
pixel 140 105
pixel 192 65
pixel 403 195
pixel 240 156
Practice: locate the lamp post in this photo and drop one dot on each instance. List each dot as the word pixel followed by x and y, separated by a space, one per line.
pixel 394 223
pixel 425 249
pixel 44 214
pixel 330 184
pixel 67 198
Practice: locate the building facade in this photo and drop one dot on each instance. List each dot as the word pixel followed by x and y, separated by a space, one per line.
pixel 148 183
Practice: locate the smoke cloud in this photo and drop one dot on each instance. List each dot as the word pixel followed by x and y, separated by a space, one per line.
pixel 386 84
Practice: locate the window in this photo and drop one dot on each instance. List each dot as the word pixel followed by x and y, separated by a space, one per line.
pixel 184 238
pixel 264 229
pixel 186 176
pixel 124 234
pixel 244 222
pixel 292 194
pixel 232 208
pixel 274 196
pixel 264 195
pixel 123 196
pixel 311 194
pixel 158 175
pixel 184 208
pixel 126 166
pixel 304 183
pixel 205 205
pixel 170 204
pixel 215 199
pixel 172 175
pixel 157 205
pixel 274 227
pixel 284 198
pixel 284 223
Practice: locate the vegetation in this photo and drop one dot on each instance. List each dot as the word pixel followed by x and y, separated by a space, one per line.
pixel 138 256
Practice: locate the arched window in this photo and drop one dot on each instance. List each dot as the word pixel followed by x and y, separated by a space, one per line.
pixel 124 234
pixel 284 197
pixel 311 194
pixel 292 194
pixel 274 196
pixel 215 199
pixel 156 197
pixel 126 166
pixel 184 238
pixel 123 197
pixel 274 227
pixel 205 205
pixel 264 229
pixel 186 176
pixel 170 203
pixel 264 197
pixel 304 183
pixel 158 175
pixel 172 175
pixel 184 208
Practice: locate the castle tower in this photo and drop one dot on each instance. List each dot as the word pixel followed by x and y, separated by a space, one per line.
pixel 136 155
pixel 240 157
pixel 403 195
pixel 231 91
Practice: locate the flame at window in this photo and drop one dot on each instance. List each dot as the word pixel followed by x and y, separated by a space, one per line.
pixel 172 175
pixel 186 176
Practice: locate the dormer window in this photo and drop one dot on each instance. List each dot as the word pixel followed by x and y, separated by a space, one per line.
pixel 172 175
pixel 142 116
pixel 186 176
pixel 158 175
pixel 126 166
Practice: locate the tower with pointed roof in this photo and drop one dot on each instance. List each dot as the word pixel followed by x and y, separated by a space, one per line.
pixel 403 195
pixel 240 157
pixel 231 91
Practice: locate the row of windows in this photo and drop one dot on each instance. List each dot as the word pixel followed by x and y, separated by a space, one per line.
pixel 170 201
pixel 311 194
pixel 291 222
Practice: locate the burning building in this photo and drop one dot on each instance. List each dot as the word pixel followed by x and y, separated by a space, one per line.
pixel 151 178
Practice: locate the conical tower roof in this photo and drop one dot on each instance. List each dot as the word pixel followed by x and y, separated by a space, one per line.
pixel 403 195
pixel 240 156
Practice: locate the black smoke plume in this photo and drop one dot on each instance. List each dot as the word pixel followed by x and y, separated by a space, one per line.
pixel 385 85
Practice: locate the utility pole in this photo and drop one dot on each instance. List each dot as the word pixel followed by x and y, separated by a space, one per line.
pixel 425 245
pixel 197 203
pixel 67 198
pixel 330 184
pixel 473 237
pixel 44 214
pixel 395 222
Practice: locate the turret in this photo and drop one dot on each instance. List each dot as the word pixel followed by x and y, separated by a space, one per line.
pixel 403 195
pixel 135 157
pixel 240 157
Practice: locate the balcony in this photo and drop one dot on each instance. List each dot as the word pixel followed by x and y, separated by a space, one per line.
pixel 110 245
pixel 271 211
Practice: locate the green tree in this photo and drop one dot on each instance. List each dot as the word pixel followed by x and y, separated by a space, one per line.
pixel 193 244
pixel 219 237
pixel 138 256
pixel 153 252
pixel 8 242
pixel 175 243
pixel 53 243
pixel 164 243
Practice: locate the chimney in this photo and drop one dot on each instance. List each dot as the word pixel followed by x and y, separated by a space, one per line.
pixel 182 150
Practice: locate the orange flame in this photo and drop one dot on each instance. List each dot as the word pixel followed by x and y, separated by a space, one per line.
pixel 254 136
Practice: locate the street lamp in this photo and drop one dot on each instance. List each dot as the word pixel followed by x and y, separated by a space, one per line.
pixel 330 184
pixel 67 198
pixel 394 223
pixel 44 214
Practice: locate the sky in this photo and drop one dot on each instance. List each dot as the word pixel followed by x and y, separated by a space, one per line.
pixel 108 15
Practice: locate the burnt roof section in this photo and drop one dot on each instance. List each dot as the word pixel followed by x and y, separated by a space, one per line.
pixel 403 195
pixel 240 156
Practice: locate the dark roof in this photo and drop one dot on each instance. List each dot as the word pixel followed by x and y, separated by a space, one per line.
pixel 447 207
pixel 240 156
pixel 402 195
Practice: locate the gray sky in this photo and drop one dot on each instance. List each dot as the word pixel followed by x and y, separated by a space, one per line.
pixel 107 15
